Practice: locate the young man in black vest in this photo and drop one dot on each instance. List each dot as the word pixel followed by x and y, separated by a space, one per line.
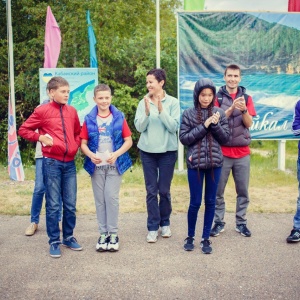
pixel 239 109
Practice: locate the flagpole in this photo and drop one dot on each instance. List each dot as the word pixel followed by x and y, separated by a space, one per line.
pixel 15 167
pixel 157 35
pixel 11 59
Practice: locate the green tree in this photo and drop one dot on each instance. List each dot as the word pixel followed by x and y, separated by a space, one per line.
pixel 125 33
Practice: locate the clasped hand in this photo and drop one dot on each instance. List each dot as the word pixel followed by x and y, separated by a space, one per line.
pixel 214 119
pixel 157 103
pixel 239 103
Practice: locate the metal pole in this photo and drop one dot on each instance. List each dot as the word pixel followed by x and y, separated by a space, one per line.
pixel 281 155
pixel 157 34
pixel 180 146
pixel 11 58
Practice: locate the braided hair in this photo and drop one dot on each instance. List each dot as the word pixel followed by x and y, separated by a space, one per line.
pixel 209 135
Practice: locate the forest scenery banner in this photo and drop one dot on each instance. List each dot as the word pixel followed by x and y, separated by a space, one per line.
pixel 265 46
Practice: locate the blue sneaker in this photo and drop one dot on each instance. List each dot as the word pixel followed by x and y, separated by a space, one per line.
pixel 217 229
pixel 189 243
pixel 243 230
pixel 206 246
pixel 71 243
pixel 55 250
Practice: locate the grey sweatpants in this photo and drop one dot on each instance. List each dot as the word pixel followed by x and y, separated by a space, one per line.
pixel 240 168
pixel 106 183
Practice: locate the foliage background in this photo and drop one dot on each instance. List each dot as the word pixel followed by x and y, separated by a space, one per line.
pixel 125 33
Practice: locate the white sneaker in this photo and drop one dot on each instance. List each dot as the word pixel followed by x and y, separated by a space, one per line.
pixel 113 244
pixel 102 242
pixel 152 236
pixel 166 232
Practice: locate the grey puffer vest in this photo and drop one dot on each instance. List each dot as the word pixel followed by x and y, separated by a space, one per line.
pixel 239 134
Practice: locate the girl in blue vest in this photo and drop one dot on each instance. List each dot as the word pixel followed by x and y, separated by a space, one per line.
pixel 105 140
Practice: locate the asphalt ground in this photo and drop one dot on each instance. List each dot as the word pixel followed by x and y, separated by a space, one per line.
pixel 263 266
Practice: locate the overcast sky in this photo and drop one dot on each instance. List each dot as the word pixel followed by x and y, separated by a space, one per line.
pixel 247 5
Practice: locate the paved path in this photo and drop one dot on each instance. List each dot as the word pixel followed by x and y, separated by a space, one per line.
pixel 261 267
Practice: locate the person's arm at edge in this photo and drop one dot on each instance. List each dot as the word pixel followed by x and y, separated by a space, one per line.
pixel 247 119
pixel 296 120
pixel 28 129
pixel 84 146
pixel 250 112
pixel 85 149
pixel 77 130
pixel 171 121
pixel 141 120
pixel 125 147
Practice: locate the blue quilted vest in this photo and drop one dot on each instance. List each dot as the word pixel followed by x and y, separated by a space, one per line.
pixel 123 162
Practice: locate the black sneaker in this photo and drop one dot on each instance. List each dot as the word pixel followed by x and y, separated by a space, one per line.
pixel 206 248
pixel 217 229
pixel 243 230
pixel 294 236
pixel 189 244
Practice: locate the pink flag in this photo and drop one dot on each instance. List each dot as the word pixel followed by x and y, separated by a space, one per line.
pixel 52 41
pixel 15 167
pixel 294 5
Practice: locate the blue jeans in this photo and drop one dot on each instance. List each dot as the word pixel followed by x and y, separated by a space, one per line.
pixel 158 173
pixel 297 215
pixel 38 193
pixel 195 178
pixel 60 183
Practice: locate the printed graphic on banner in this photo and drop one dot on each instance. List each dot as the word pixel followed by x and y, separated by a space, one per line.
pixel 265 46
pixel 15 167
pixel 82 83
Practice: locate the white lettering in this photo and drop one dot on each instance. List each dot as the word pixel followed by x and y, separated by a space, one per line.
pixel 267 125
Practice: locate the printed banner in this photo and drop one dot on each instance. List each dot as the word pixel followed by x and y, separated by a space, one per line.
pixel 82 83
pixel 265 46
pixel 243 5
pixel 15 166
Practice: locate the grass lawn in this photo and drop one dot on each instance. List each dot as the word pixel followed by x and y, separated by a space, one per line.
pixel 271 190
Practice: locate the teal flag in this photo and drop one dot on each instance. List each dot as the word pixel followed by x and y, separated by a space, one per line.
pixel 194 4
pixel 92 42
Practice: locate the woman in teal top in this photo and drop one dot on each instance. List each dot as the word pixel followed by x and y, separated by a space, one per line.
pixel 157 119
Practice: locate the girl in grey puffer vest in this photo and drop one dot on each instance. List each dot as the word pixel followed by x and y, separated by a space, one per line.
pixel 203 128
